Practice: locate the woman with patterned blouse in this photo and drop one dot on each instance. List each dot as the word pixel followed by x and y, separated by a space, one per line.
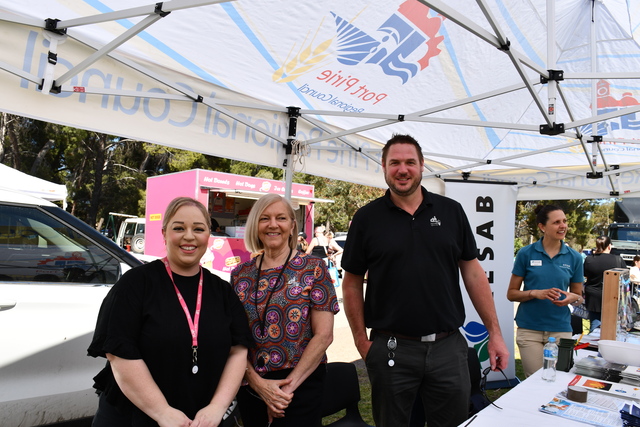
pixel 290 302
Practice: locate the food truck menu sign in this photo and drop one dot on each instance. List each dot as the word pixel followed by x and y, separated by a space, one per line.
pixel 226 181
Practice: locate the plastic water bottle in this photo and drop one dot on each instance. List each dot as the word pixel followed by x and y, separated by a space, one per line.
pixel 550 358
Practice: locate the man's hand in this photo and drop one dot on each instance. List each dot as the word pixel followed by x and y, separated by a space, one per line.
pixel 498 353
pixel 363 347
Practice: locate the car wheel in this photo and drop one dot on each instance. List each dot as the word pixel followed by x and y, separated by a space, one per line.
pixel 137 244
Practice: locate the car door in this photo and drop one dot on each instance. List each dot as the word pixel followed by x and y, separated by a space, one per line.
pixel 54 273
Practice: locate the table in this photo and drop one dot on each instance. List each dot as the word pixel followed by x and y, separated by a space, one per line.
pixel 520 404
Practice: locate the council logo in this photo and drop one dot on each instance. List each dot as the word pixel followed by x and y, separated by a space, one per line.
pixel 401 47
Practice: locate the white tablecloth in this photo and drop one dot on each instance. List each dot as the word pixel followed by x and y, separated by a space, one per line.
pixel 520 404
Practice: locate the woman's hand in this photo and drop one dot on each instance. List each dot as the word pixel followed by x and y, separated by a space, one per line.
pixel 562 302
pixel 276 399
pixel 173 417
pixel 209 416
pixel 552 294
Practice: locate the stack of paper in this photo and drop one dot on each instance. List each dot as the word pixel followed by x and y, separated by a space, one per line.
pixel 598 367
pixel 631 375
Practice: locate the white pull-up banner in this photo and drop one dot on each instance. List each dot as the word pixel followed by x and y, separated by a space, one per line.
pixel 491 211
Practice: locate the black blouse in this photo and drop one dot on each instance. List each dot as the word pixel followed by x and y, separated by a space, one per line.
pixel 141 318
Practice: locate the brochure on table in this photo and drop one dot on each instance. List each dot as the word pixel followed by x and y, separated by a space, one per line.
pixel 604 402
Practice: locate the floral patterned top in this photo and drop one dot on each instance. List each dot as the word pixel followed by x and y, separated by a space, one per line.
pixel 305 285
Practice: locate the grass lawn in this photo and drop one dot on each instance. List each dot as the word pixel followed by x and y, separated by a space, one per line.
pixel 365 393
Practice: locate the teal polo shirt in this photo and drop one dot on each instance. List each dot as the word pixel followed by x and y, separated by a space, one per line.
pixel 541 272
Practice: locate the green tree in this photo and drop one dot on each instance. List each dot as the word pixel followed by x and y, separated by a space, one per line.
pixel 581 221
pixel 348 198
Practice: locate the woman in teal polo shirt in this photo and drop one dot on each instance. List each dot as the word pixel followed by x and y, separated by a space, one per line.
pixel 547 276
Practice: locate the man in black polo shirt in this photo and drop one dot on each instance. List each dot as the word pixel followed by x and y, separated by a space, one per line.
pixel 412 245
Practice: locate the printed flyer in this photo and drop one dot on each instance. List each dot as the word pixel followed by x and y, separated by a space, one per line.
pixel 620 390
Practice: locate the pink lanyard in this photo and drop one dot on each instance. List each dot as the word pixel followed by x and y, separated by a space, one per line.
pixel 193 323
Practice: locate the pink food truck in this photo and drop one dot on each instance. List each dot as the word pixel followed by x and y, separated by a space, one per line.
pixel 229 198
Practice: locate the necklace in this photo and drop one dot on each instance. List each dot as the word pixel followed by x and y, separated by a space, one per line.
pixel 262 360
pixel 193 323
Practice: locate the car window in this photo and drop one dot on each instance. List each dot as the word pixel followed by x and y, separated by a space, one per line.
pixel 130 229
pixel 37 247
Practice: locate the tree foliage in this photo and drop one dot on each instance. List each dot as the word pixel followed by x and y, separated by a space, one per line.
pixel 586 220
pixel 105 173
pixel 347 199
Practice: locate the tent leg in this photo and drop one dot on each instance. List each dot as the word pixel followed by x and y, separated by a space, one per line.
pixel 294 113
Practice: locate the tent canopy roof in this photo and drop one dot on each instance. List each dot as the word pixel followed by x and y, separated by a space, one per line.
pixel 542 94
pixel 31 185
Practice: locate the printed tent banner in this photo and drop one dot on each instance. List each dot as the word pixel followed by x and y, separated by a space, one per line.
pixel 542 94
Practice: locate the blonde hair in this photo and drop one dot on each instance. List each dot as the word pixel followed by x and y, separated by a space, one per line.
pixel 179 202
pixel 251 238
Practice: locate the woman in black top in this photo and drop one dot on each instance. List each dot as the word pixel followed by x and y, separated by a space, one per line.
pixel 594 267
pixel 175 335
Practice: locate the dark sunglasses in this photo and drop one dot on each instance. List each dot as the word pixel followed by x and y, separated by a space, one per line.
pixel 483 383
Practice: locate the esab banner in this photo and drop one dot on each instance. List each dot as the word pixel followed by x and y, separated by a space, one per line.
pixel 491 209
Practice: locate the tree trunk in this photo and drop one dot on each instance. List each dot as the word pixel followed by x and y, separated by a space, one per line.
pixel 99 148
pixel 3 134
pixel 40 157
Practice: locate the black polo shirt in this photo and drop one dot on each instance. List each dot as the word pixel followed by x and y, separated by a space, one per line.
pixel 412 262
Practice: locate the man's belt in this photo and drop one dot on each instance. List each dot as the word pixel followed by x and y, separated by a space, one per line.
pixel 424 338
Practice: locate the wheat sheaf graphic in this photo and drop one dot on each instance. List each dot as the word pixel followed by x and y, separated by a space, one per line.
pixel 304 60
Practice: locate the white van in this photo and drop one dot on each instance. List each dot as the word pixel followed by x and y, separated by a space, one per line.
pixel 131 235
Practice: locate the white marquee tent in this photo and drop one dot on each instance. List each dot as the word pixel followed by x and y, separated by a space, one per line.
pixel 26 183
pixel 540 93
pixel 543 94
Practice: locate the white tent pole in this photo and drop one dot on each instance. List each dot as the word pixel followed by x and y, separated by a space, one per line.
pixel 55 39
pixel 352 147
pixel 552 86
pixel 602 117
pixel 601 76
pixel 20 73
pixel 516 58
pixel 25 20
pixel 130 33
pixel 162 7
pixel 294 113
pixel 459 18
pixel 594 68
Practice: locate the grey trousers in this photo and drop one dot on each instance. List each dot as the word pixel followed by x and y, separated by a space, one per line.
pixel 435 371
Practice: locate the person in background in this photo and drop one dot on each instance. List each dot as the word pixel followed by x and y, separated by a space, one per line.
pixel 290 302
pixel 318 244
pixel 333 248
pixel 546 277
pixel 302 242
pixel 323 245
pixel 594 267
pixel 215 228
pixel 634 272
pixel 175 335
pixel 413 302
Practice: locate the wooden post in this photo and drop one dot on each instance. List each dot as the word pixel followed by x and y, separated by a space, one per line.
pixel 610 301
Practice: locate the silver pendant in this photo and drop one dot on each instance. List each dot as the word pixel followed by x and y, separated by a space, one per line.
pixel 391 362
pixel 194 370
